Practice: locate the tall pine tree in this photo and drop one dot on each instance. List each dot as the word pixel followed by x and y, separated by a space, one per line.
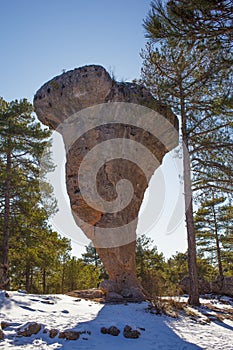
pixel 22 143
pixel 213 224
pixel 190 79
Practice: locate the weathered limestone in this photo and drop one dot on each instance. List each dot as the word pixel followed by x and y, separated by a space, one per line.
pixel 63 104
pixel 222 286
pixel 203 285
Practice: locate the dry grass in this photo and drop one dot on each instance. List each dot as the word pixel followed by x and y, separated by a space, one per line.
pixel 204 314
pixel 219 313
pixel 166 306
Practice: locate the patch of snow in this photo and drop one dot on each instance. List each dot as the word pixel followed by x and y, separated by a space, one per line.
pixel 63 312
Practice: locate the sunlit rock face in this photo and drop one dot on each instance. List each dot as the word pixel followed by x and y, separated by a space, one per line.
pixel 115 135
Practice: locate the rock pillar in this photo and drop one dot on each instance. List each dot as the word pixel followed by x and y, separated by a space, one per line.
pixel 115 135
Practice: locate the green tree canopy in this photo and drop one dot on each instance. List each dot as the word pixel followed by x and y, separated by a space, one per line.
pixel 192 21
pixel 22 143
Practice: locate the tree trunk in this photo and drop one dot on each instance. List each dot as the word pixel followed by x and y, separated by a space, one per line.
pixel 63 277
pixel 31 280
pixel 217 244
pixel 192 264
pixel 44 281
pixel 4 271
pixel 27 278
pixel 72 275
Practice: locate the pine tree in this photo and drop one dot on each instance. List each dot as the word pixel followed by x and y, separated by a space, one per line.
pixel 191 81
pixel 80 275
pixel 177 268
pixel 213 222
pixel 194 75
pixel 151 266
pixel 191 20
pixel 22 142
pixel 91 257
pixel 168 72
pixel 36 259
pixel 147 256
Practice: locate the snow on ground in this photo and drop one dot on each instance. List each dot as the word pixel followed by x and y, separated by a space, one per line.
pixel 64 312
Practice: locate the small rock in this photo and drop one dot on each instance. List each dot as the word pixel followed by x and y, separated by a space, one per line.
pixel 7 295
pixel 104 330
pixel 131 334
pixel 134 334
pixel 127 328
pixel 1 335
pixel 5 324
pixel 69 335
pixel 111 330
pixel 53 333
pixel 32 328
pixel 62 335
pixel 72 335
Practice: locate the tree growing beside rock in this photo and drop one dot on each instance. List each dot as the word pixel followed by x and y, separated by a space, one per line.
pixel 22 143
pixel 195 80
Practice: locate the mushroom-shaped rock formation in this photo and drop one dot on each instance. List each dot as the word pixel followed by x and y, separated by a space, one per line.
pixel 115 135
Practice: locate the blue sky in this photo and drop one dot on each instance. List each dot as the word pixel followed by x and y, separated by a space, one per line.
pixel 42 38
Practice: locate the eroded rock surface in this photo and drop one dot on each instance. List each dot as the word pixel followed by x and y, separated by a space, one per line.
pixel 223 286
pixel 90 109
pixel 203 285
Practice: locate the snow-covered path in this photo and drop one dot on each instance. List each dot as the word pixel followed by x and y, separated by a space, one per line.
pixel 63 312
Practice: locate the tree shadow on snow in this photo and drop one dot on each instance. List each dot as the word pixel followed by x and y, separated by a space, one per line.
pixel 156 331
pixel 222 324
